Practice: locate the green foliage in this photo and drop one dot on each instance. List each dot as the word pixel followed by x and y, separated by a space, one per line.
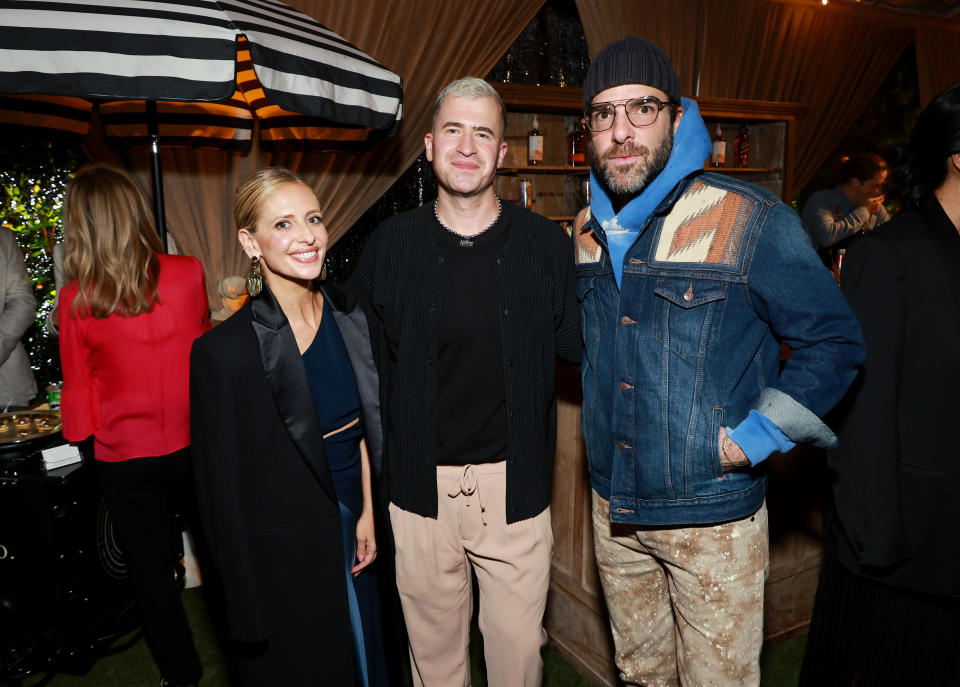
pixel 33 176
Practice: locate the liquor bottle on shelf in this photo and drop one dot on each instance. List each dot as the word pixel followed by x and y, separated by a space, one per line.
pixel 526 194
pixel 576 147
pixel 535 143
pixel 741 148
pixel 718 157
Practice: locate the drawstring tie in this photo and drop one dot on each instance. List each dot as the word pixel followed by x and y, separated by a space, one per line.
pixel 467 484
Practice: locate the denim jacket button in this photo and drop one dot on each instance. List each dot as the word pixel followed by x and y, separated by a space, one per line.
pixel 688 294
pixel 625 387
pixel 626 320
pixel 622 445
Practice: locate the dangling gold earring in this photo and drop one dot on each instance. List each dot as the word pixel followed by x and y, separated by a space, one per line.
pixel 254 277
pixel 323 272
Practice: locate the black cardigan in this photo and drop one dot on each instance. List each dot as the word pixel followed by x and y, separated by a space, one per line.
pixel 402 270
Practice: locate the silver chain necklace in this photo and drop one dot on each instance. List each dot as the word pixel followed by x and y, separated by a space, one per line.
pixel 466 241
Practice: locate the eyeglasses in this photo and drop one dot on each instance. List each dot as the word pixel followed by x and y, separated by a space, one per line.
pixel 640 112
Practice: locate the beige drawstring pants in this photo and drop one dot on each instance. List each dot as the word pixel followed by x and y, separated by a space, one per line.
pixel 512 563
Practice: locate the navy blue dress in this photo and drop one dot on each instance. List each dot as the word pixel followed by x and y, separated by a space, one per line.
pixel 335 395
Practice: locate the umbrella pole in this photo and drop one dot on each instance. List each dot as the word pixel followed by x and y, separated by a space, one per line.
pixel 158 209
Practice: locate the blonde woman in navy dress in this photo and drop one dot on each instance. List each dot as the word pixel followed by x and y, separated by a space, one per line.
pixel 287 443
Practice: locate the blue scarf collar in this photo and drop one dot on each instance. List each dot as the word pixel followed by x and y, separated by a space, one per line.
pixel 691 146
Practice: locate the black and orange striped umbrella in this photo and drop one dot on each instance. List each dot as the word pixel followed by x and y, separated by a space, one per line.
pixel 211 67
pixel 191 72
pixel 226 125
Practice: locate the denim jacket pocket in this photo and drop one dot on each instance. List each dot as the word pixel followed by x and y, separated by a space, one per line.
pixel 585 280
pixel 688 313
pixel 592 307
pixel 718 472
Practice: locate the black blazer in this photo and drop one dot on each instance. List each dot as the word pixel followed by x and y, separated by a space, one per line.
pixel 897 469
pixel 266 496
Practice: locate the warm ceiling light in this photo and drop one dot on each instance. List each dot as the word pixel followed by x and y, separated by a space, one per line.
pixel 825 1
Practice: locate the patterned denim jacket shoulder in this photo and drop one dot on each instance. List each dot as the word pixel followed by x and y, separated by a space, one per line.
pixel 690 343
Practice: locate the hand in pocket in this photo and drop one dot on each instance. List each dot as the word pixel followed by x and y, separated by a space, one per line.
pixel 732 456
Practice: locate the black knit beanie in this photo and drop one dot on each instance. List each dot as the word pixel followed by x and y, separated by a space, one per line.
pixel 631 60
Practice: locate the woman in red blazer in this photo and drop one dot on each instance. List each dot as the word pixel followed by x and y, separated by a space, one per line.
pixel 127 320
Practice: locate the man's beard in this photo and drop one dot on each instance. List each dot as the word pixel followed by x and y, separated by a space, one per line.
pixel 631 180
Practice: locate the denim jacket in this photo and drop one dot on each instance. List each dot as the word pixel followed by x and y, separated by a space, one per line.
pixel 719 276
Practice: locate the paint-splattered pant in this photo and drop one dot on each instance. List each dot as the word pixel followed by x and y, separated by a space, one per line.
pixel 685 603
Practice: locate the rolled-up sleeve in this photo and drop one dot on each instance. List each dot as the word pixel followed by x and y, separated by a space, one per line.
pixel 804 307
pixel 826 226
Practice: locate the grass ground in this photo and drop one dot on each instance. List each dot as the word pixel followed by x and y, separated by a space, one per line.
pixel 133 666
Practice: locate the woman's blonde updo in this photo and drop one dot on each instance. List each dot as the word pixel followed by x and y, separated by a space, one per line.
pixel 250 196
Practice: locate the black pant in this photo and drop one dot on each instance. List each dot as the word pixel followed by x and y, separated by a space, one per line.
pixel 142 494
pixel 870 634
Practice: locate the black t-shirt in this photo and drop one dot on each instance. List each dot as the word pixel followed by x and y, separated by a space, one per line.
pixel 471 397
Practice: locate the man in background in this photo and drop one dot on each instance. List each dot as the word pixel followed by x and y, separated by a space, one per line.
pixel 17 310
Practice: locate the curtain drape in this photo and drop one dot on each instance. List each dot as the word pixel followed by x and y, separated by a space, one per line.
pixel 427 43
pixel 671 24
pixel 938 61
pixel 834 61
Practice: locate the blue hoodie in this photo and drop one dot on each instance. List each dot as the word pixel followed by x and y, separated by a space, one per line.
pixel 691 146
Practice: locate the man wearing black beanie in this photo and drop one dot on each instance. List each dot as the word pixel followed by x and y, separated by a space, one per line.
pixel 689 282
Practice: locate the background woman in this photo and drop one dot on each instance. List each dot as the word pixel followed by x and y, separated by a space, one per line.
pixel 127 320
pixel 283 394
pixel 855 206
pixel 888 605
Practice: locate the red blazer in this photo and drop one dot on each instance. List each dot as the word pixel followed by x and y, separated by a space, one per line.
pixel 126 380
